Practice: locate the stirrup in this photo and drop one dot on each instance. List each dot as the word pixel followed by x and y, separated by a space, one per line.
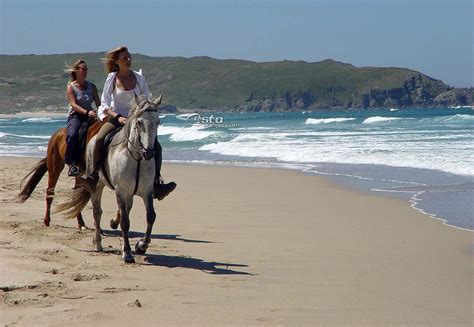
pixel 73 171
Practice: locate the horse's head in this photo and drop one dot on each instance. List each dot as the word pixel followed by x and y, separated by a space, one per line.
pixel 143 125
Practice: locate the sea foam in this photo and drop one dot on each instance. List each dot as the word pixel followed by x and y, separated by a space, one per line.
pixel 42 120
pixel 378 119
pixel 42 137
pixel 183 134
pixel 313 121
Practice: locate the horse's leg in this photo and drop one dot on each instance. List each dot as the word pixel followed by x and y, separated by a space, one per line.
pixel 55 167
pixel 114 223
pixel 142 245
pixel 96 199
pixel 125 205
pixel 80 222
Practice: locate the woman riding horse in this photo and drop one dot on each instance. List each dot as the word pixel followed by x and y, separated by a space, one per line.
pixel 81 94
pixel 129 171
pixel 121 87
pixel 63 146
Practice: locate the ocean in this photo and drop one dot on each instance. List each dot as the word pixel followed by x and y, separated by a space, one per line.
pixel 425 156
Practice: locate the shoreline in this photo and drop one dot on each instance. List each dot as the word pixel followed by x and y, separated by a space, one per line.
pixel 327 176
pixel 293 167
pixel 251 246
pixel 49 114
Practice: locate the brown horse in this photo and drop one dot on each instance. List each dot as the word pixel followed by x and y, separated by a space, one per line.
pixel 54 164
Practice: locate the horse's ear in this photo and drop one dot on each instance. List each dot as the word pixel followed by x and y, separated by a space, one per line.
pixel 157 101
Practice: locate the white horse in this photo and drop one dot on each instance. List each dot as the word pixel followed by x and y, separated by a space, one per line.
pixel 125 172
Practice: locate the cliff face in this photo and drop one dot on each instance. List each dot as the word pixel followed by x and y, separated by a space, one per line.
pixel 417 91
pixel 455 97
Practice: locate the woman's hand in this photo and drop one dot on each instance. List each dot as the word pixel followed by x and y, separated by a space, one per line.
pixel 122 120
pixel 91 114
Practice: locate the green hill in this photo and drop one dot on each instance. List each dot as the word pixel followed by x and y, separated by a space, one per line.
pixel 37 82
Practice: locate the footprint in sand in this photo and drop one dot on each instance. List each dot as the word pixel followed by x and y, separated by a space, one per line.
pixel 134 304
pixel 40 295
pixel 87 278
pixel 113 290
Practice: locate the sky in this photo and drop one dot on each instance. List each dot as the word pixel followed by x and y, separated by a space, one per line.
pixel 434 37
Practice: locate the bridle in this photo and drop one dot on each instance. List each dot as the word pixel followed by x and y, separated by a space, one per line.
pixel 145 153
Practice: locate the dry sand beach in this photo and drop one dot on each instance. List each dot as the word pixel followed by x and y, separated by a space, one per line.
pixel 235 246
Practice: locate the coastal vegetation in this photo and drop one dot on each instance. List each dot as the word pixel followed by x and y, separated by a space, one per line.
pixel 37 82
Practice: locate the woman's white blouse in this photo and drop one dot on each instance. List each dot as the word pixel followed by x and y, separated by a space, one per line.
pixel 121 104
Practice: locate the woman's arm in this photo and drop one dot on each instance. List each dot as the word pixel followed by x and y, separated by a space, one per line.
pixel 106 106
pixel 106 99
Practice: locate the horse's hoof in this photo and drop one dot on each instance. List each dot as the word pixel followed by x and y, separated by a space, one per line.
pixel 141 247
pixel 113 224
pixel 128 258
pixel 97 245
pixel 46 223
pixel 83 227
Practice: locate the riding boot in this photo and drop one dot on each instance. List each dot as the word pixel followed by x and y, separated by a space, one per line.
pixel 160 188
pixel 93 165
pixel 91 177
pixel 92 171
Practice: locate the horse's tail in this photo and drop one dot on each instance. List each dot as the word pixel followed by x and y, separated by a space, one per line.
pixel 73 207
pixel 38 172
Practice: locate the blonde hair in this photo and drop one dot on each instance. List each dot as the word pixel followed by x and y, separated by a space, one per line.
pixel 110 57
pixel 72 69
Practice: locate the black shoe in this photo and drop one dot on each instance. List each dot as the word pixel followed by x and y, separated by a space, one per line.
pixel 161 190
pixel 73 171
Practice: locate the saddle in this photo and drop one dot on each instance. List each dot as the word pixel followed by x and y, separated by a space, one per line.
pixel 107 142
pixel 82 134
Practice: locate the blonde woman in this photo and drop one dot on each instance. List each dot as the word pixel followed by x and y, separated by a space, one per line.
pixel 121 87
pixel 81 94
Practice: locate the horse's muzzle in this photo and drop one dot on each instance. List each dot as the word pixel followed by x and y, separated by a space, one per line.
pixel 148 154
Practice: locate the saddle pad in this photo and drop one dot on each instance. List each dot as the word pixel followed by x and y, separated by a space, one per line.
pixel 108 140
pixel 83 135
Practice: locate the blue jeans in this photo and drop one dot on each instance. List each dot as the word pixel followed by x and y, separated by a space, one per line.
pixel 73 151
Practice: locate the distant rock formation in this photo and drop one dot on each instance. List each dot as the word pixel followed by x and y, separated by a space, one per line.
pixel 417 91
pixel 455 97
